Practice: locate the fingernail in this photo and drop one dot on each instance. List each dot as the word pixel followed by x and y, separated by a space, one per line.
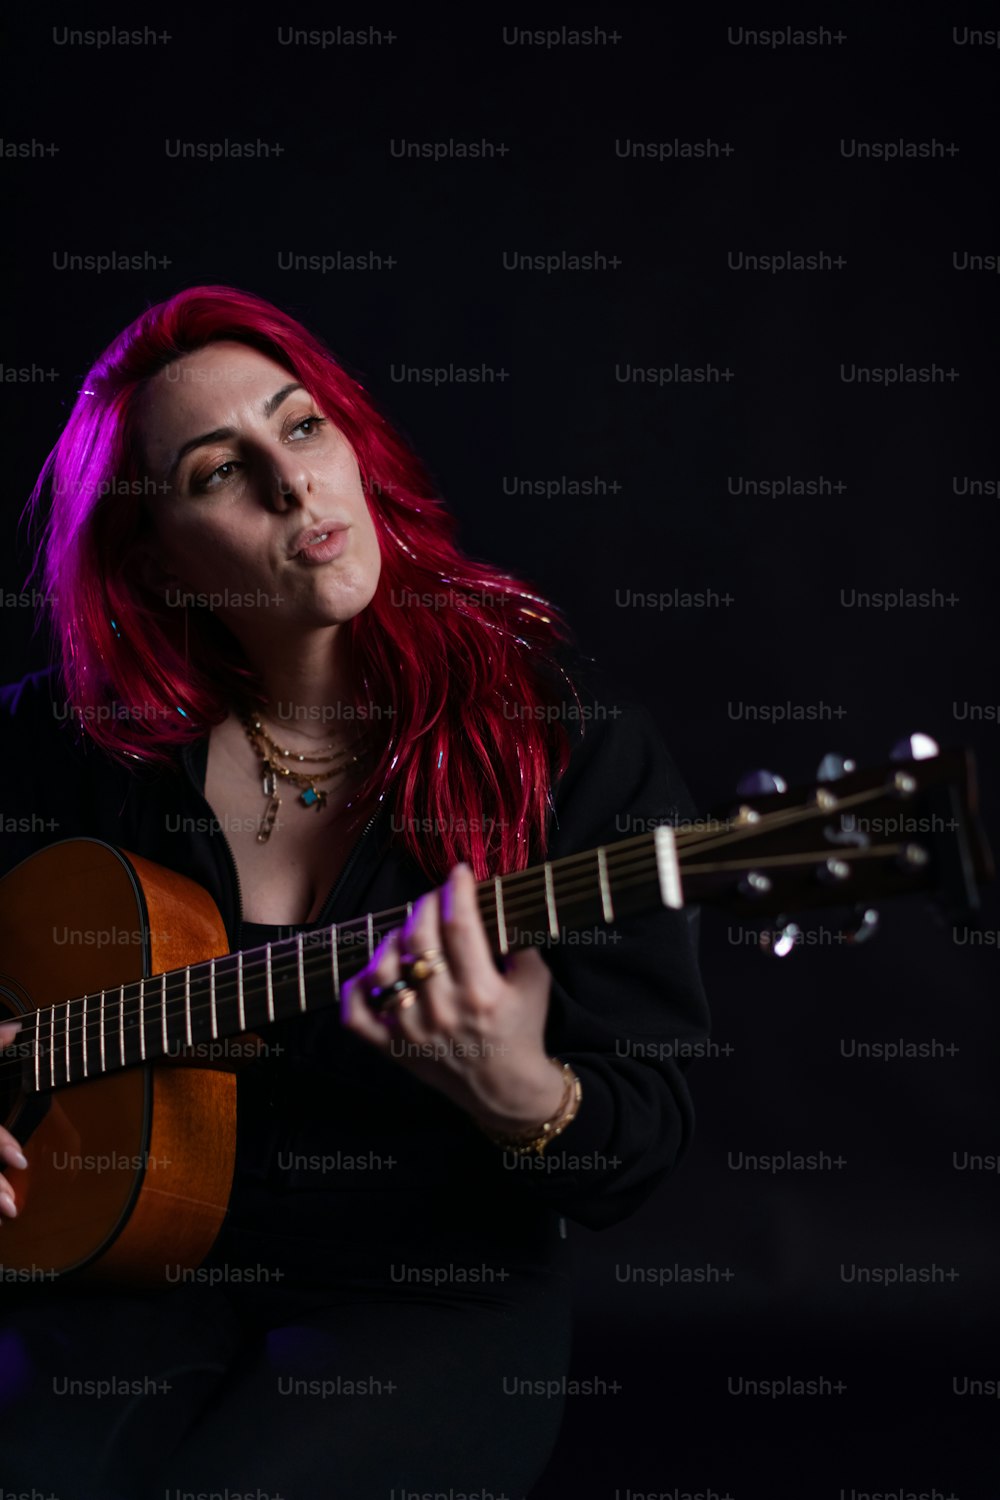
pixel 9 1204
pixel 17 1157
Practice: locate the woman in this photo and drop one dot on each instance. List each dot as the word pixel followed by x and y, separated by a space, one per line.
pixel 279 676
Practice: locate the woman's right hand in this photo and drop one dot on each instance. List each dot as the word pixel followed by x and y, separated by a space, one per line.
pixel 10 1151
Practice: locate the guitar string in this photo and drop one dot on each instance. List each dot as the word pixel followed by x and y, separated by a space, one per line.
pixel 284 964
pixel 526 887
pixel 780 820
pixel 518 903
pixel 152 1012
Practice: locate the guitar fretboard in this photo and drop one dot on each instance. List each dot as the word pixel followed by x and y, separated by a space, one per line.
pixel 183 1010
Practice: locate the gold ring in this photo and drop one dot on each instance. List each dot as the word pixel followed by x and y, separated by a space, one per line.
pixel 420 966
pixel 402 1000
pixel 380 996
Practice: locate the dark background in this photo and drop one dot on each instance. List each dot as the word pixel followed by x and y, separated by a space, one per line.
pixel 668 458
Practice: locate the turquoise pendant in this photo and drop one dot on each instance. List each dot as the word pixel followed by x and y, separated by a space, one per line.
pixel 312 798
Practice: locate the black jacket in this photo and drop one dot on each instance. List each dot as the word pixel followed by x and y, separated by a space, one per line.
pixel 340 1147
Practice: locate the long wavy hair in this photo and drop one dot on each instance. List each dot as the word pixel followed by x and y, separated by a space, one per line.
pixel 467 683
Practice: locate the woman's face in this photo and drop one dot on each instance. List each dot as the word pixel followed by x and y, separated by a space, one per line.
pixel 248 468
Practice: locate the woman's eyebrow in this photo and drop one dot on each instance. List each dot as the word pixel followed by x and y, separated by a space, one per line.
pixel 219 434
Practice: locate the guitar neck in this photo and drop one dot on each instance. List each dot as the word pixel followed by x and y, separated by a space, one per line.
pixel 849 841
pixel 169 1014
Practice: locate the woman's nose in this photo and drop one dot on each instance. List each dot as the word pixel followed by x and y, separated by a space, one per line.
pixel 289 484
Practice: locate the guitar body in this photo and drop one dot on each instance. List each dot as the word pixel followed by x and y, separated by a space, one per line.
pixel 129 1174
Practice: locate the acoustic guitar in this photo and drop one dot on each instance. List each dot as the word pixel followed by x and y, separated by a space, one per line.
pixel 131 1139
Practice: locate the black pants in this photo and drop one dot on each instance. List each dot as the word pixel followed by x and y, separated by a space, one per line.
pixel 282 1391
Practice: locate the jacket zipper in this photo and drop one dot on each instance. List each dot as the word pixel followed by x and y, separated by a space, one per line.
pixel 352 860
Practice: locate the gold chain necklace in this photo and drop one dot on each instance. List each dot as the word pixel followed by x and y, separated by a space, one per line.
pixel 310 795
pixel 330 752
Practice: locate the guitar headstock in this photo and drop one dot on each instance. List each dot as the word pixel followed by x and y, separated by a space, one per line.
pixel 850 838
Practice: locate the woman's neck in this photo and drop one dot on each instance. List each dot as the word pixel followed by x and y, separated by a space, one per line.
pixel 307 682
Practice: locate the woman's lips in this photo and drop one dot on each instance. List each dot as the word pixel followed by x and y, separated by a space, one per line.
pixel 324 551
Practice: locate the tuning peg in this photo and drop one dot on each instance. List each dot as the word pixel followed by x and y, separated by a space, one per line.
pixel 867 926
pixel 833 766
pixel 760 784
pixel 915 747
pixel 780 941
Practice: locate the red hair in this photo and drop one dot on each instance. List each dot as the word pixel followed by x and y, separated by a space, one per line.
pixel 474 743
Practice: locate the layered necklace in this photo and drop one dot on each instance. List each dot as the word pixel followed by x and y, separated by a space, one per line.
pixel 274 766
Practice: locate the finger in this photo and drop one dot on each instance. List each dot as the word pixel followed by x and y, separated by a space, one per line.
pixel 437 1008
pixel 383 966
pixel 421 929
pixel 525 963
pixel 9 1147
pixel 464 937
pixel 11 1151
pixel 8 1031
pixel 383 970
pixel 356 1014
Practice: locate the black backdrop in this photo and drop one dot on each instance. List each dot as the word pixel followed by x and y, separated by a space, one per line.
pixel 753 146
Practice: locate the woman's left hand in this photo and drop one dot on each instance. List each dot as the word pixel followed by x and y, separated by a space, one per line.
pixel 472 1032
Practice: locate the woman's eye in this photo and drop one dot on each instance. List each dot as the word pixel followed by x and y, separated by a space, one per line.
pixel 206 482
pixel 316 422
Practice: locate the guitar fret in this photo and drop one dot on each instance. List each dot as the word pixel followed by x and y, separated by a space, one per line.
pixel 121 1022
pixel 52 1047
pixel 239 991
pixel 501 919
pixel 85 1036
pixel 38 1055
pixel 550 901
pixel 302 977
pixel 602 875
pixel 163 1011
pixel 142 1019
pixel 187 1006
pixel 371 937
pixel 101 1022
pixel 270 992
pixel 335 959
pixel 667 871
pixel 211 999
pixel 67 1041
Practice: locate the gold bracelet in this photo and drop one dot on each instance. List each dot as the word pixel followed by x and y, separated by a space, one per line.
pixel 567 1110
